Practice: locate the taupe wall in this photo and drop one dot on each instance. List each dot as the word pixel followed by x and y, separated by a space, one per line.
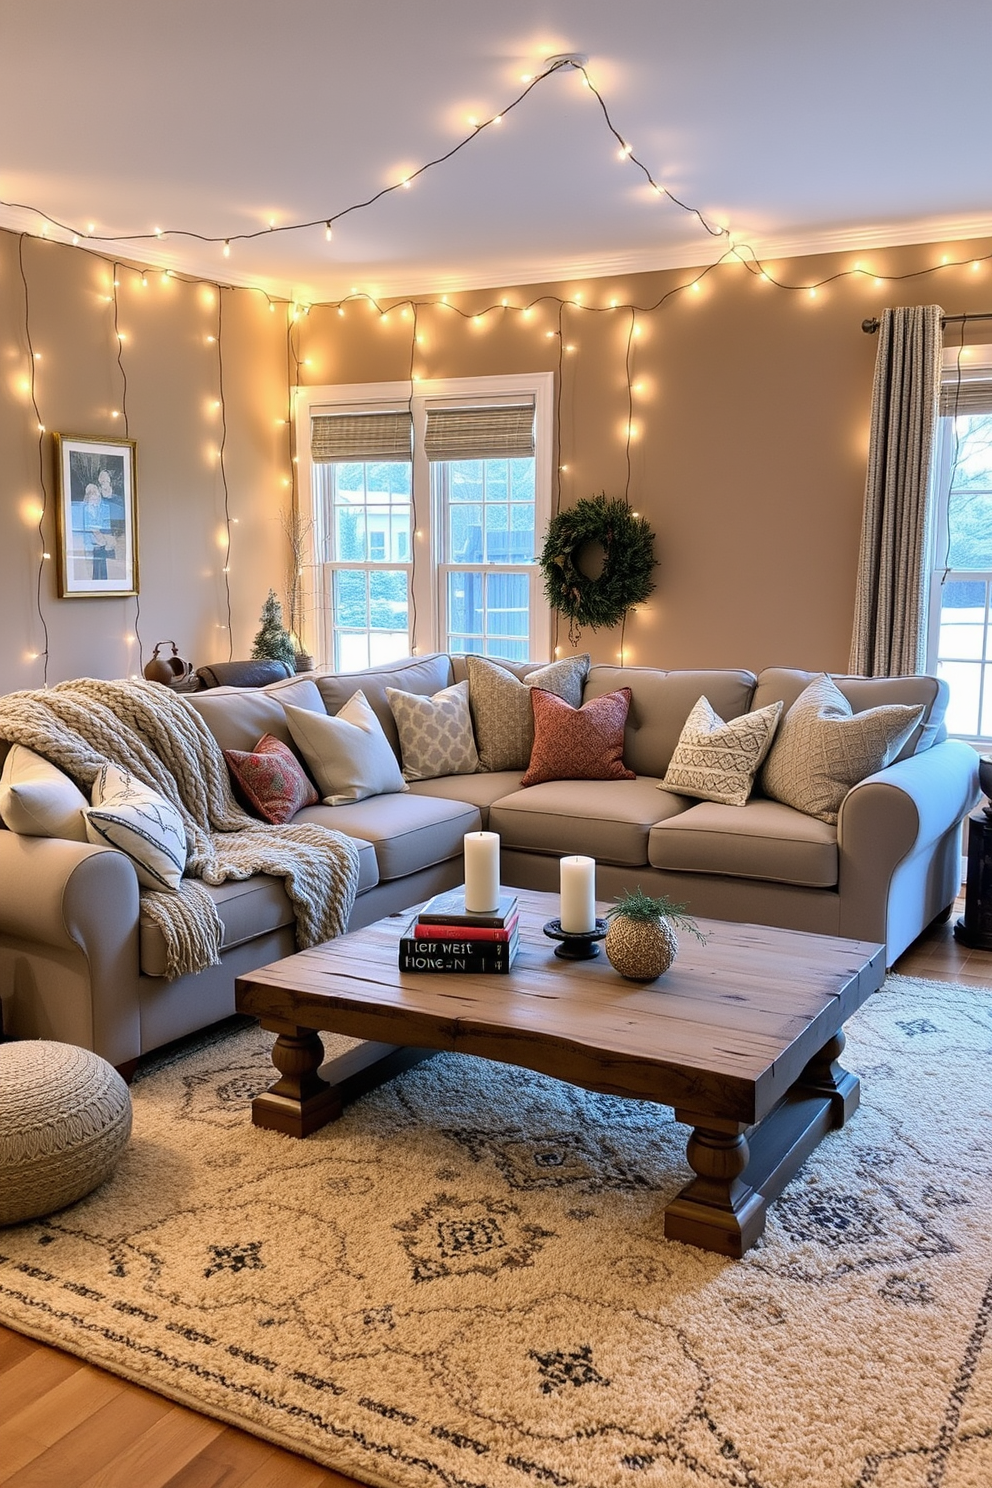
pixel 751 434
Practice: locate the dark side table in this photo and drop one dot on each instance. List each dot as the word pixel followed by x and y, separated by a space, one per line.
pixel 975 928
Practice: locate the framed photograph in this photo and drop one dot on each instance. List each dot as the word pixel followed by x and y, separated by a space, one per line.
pixel 97 516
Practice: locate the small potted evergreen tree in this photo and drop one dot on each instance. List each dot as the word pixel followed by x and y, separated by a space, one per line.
pixel 273 642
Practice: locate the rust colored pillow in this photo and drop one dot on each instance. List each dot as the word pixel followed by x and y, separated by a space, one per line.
pixel 578 743
pixel 271 779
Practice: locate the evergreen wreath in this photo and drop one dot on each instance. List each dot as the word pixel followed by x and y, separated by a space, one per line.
pixel 628 545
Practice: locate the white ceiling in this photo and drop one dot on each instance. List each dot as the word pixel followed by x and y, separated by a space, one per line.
pixel 801 125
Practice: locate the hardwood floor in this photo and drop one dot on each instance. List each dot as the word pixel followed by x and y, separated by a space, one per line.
pixel 66 1424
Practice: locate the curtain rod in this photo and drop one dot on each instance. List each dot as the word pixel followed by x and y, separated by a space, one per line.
pixel 871 325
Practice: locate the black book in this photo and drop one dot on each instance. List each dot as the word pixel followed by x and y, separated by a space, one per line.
pixel 449 909
pixel 439 956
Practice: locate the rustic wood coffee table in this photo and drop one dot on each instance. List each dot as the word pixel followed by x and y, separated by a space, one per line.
pixel 741 1037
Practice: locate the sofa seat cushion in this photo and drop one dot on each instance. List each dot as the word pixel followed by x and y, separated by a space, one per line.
pixel 408 831
pixel 763 839
pixel 478 790
pixel 247 908
pixel 608 820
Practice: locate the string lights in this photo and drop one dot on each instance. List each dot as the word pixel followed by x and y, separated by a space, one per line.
pixel 410 310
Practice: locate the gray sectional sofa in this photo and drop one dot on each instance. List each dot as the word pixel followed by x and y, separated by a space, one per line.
pixel 79 963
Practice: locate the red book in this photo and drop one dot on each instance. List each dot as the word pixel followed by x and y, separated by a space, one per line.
pixel 464 932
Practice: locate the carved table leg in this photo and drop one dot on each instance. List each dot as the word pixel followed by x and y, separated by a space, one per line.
pixel 300 1101
pixel 718 1210
pixel 827 1076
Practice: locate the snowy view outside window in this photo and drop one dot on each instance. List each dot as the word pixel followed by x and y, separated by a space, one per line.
pixel 960 618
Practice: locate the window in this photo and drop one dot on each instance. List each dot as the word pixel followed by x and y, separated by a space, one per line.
pixel 960 620
pixel 428 513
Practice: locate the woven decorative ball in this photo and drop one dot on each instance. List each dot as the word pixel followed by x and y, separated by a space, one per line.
pixel 65 1119
pixel 640 950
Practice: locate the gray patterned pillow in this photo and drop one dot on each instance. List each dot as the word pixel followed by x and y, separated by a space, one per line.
pixel 718 761
pixel 501 711
pixel 436 735
pixel 823 748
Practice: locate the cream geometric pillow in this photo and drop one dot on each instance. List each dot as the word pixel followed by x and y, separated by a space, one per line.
pixel 823 748
pixel 135 819
pixel 37 800
pixel 718 761
pixel 501 711
pixel 436 735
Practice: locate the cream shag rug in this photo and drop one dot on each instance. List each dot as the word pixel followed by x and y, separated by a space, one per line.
pixel 464 1282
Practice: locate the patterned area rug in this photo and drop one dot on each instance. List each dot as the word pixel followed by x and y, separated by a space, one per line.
pixel 464 1281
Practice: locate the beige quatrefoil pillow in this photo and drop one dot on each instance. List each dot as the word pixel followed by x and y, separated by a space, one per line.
pixel 823 748
pixel 718 761
pixel 436 735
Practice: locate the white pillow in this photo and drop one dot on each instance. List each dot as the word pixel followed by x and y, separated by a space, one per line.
pixel 134 818
pixel 348 755
pixel 37 800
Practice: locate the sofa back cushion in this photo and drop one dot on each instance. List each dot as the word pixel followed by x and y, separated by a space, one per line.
pixel 425 675
pixel 239 716
pixel 660 703
pixel 786 683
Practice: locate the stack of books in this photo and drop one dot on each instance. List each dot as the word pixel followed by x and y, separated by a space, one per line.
pixel 445 936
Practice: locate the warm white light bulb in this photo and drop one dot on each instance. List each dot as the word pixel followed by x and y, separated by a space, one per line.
pixel 227 248
pixel 328 234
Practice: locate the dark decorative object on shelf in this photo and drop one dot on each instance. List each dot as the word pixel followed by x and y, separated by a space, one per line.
pixel 243 673
pixel 627 545
pixel 576 945
pixel 975 927
pixel 273 642
pixel 171 671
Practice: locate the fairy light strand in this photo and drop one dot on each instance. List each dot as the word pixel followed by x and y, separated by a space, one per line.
pixel 119 343
pixel 222 465
pixel 32 388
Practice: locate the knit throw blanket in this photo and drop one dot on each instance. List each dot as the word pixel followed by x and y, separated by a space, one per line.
pixel 80 726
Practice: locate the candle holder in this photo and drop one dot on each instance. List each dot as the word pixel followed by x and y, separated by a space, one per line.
pixel 576 945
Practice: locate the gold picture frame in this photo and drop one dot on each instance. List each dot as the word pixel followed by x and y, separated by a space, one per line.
pixel 97 517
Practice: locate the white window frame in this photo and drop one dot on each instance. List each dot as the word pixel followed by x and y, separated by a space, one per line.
pixel 426 581
pixel 941 474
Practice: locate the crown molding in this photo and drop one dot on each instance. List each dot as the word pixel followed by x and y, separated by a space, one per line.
pixel 400 281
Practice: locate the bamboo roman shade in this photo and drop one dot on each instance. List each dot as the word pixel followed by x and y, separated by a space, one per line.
pixel 502 431
pixel 966 380
pixel 361 436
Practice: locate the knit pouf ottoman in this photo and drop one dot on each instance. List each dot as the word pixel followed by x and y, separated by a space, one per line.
pixel 65 1118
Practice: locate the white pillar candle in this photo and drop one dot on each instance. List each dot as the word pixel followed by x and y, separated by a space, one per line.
pixel 578 895
pixel 481 872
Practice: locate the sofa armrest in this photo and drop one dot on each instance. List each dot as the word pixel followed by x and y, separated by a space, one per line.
pixel 69 943
pixel 898 832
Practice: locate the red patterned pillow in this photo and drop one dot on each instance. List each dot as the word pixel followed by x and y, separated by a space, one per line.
pixel 578 743
pixel 271 779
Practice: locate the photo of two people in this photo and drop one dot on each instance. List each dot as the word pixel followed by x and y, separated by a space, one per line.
pixel 97 550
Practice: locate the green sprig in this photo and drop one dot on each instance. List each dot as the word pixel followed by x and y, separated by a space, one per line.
pixel 634 904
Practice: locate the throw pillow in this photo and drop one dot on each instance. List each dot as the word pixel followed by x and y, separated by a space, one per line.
pixel 436 735
pixel 272 779
pixel 37 800
pixel 823 748
pixel 132 817
pixel 348 755
pixel 578 743
pixel 718 761
pixel 501 711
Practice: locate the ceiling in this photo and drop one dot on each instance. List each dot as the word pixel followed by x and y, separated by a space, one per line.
pixel 800 126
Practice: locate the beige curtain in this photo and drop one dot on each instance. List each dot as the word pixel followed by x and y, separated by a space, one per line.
pixel 889 631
